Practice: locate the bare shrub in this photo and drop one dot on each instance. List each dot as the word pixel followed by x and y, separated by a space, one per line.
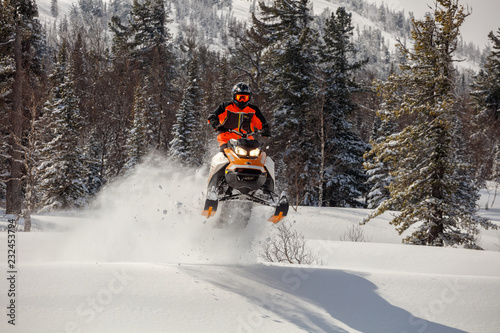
pixel 355 233
pixel 288 246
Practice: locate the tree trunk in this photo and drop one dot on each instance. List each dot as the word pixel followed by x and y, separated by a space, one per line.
pixel 14 193
pixel 435 232
pixel 322 136
pixel 437 228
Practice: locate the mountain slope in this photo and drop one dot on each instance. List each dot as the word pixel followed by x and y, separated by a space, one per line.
pixel 212 18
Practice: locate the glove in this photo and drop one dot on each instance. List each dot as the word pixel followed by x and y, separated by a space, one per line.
pixel 265 132
pixel 214 121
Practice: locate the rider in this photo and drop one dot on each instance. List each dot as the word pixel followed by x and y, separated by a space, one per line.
pixel 238 115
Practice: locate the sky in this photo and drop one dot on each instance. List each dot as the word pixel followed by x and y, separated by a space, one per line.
pixel 483 19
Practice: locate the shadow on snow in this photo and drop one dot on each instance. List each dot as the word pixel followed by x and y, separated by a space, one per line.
pixel 319 300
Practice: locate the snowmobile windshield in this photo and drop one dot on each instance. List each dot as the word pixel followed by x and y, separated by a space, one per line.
pixel 247 143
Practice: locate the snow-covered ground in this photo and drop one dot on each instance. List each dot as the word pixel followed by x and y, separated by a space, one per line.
pixel 143 259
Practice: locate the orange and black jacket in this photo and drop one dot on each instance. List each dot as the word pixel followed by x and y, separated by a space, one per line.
pixel 232 117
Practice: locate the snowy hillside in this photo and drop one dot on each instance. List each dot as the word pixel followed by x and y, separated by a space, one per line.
pixel 145 260
pixel 241 11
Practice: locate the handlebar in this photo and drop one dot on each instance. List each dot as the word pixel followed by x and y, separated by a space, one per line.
pixel 244 135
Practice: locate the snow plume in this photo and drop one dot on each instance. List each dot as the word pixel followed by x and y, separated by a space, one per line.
pixel 153 214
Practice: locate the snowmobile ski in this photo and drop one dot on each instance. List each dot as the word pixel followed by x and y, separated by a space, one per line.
pixel 281 210
pixel 211 204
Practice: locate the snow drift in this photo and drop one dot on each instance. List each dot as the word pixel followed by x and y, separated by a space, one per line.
pixel 143 259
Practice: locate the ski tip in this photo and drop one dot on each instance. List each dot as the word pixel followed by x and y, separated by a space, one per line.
pixel 281 210
pixel 210 208
pixel 276 218
pixel 208 213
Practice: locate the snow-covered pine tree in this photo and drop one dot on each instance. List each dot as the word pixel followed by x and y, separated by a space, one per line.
pixel 222 87
pixel 54 8
pixel 148 30
pixel 7 63
pixel 379 177
pixel 30 164
pixel 143 47
pixel 21 53
pixel 344 180
pixel 121 35
pixel 496 165
pixel 119 8
pixel 496 173
pixel 247 54
pixel 429 183
pixel 186 145
pixel 93 155
pixel 7 71
pixel 486 98
pixel 291 59
pixel 137 145
pixel 62 171
pixel 215 83
pixel 89 18
pixel 467 185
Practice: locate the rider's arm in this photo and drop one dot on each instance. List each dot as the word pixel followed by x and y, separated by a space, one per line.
pixel 260 122
pixel 213 118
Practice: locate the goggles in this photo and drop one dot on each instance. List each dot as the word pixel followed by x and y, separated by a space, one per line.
pixel 242 98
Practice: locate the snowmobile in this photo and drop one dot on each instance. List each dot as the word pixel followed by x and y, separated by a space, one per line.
pixel 243 173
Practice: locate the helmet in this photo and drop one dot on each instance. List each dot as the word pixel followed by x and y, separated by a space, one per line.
pixel 241 95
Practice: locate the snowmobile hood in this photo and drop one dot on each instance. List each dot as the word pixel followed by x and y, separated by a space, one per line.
pixel 240 162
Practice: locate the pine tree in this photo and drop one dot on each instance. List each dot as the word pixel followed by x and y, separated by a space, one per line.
pixel 147 30
pixel 222 88
pixel 54 8
pixel 7 72
pixel 30 163
pixel 62 170
pixel 121 35
pixel 186 145
pixel 7 62
pixel 429 181
pixel 119 8
pixel 379 177
pixel 137 137
pixel 496 164
pixel 248 54
pixel 215 83
pixel 344 180
pixel 486 100
pixel 93 157
pixel 21 52
pixel 488 81
pixel 467 193
pixel 144 47
pixel 289 83
pixel 151 92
